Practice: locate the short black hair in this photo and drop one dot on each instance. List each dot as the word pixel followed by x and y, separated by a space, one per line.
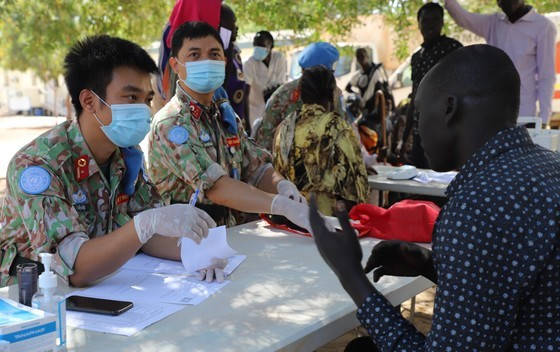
pixel 192 30
pixel 90 64
pixel 317 85
pixel 429 6
pixel 362 51
pixel 265 35
pixel 482 73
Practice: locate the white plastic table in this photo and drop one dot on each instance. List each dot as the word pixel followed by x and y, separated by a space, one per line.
pixel 282 297
pixel 382 183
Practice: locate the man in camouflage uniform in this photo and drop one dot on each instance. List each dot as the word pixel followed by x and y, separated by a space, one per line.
pixel 198 148
pixel 74 190
pixel 286 99
pixel 317 150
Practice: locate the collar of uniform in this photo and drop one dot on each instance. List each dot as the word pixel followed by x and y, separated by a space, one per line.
pixel 80 149
pixel 529 16
pixel 502 142
pixel 186 99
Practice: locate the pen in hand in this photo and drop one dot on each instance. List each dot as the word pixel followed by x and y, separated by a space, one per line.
pixel 192 201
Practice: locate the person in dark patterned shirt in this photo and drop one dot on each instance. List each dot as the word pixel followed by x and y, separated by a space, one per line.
pixel 496 243
pixel 435 47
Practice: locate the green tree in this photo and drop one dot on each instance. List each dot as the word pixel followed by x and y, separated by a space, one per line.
pixel 315 18
pixel 36 34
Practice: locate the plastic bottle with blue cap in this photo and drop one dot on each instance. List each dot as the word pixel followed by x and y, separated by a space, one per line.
pixel 49 300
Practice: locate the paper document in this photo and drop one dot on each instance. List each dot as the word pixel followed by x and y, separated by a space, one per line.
pixel 199 256
pixel 140 316
pixel 145 263
pixel 130 285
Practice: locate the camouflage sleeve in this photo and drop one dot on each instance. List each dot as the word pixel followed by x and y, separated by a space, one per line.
pixel 40 223
pixel 256 160
pixel 146 195
pixel 271 119
pixel 188 161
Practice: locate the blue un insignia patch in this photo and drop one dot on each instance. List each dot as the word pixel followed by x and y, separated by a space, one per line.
pixel 178 135
pixel 34 180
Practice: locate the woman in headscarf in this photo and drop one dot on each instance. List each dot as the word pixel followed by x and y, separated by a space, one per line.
pixel 317 150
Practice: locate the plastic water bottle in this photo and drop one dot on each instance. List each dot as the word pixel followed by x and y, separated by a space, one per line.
pixel 48 299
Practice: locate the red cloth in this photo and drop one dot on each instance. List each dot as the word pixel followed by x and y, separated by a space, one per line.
pixel 194 10
pixel 408 220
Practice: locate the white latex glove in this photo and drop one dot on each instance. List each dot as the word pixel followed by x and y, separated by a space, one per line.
pixel 216 270
pixel 176 220
pixel 295 212
pixel 288 189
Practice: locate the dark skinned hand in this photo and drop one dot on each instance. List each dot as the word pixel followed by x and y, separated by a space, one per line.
pixel 400 258
pixel 342 252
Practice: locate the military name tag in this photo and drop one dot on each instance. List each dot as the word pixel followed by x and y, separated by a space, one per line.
pixel 122 198
pixel 233 141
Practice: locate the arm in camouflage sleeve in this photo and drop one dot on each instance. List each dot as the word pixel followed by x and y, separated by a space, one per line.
pixel 270 120
pixel 49 220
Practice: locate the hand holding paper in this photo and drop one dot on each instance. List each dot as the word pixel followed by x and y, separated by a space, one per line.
pixel 196 257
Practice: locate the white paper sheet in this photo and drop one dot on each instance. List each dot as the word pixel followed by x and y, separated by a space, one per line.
pixel 140 316
pixel 146 263
pixel 130 285
pixel 199 256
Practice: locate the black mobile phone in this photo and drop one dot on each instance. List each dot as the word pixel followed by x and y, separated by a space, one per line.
pixel 97 305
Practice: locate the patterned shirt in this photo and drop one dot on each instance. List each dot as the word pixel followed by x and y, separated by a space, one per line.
pixel 284 101
pixel 190 148
pixel 320 154
pixel 427 57
pixel 77 203
pixel 497 254
pixel 235 84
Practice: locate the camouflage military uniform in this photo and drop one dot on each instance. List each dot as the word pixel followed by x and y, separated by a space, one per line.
pixel 77 205
pixel 284 101
pixel 319 153
pixel 184 154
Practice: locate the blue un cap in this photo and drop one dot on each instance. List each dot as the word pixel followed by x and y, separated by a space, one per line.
pixel 319 53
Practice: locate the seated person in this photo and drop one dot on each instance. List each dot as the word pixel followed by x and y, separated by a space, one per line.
pixel 316 148
pixel 496 252
pixel 286 99
pixel 80 191
pixel 198 147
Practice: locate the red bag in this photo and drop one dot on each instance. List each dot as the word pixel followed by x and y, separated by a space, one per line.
pixel 408 220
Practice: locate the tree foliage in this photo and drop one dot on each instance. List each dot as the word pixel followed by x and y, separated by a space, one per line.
pixel 36 34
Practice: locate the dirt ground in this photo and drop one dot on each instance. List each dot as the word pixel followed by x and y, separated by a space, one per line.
pixel 422 321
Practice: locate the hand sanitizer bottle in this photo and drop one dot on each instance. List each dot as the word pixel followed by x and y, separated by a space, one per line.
pixel 48 299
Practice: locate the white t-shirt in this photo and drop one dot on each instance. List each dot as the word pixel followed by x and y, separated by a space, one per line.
pixel 260 77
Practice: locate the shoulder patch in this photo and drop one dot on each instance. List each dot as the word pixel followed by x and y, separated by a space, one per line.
pixel 178 135
pixel 34 180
